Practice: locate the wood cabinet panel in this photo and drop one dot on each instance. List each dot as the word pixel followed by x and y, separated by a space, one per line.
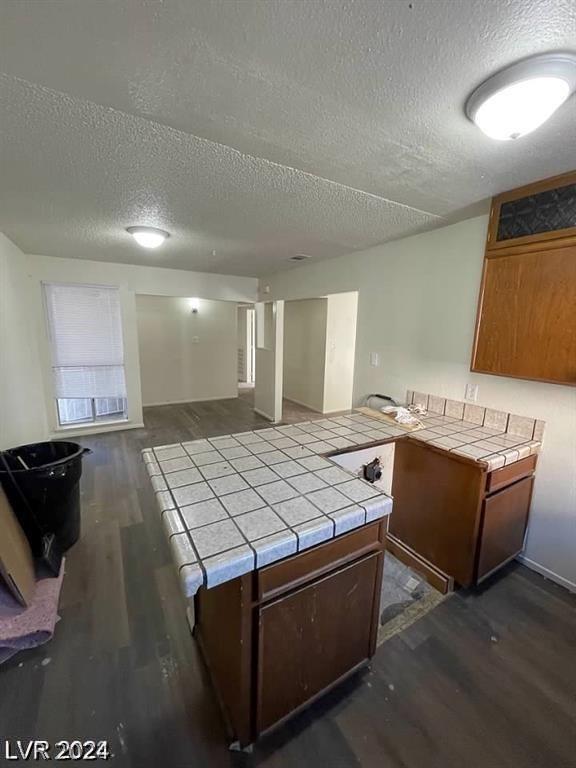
pixel 504 520
pixel 224 631
pixel 500 478
pixel 527 315
pixel 304 640
pixel 288 574
pixel 436 509
pixel 454 516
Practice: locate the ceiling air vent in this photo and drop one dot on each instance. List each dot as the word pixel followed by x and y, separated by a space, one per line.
pixel 300 257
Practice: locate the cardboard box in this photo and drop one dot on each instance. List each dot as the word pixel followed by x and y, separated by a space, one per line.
pixel 16 562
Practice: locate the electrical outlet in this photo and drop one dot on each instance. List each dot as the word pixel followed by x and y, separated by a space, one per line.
pixel 471 392
pixel 374 359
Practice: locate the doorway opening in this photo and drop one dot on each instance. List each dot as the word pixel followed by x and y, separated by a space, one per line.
pixel 246 346
pixel 318 356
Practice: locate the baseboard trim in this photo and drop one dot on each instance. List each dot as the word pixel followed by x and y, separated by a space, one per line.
pixel 303 404
pixel 315 410
pixel 95 429
pixel 547 573
pixel 188 400
pixel 266 415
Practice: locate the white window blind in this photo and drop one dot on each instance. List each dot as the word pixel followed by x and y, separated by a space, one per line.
pixel 86 337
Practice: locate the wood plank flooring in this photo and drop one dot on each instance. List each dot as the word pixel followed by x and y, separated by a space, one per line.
pixel 486 679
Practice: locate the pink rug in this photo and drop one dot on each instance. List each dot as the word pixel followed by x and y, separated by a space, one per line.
pixel 22 628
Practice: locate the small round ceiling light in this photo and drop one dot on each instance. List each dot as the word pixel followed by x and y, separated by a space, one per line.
pixel 148 237
pixel 518 99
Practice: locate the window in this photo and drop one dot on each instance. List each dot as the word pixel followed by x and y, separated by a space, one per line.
pixel 85 328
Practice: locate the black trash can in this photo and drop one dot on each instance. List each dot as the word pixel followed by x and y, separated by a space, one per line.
pixel 42 483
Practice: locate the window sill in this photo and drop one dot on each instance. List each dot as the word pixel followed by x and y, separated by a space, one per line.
pixel 95 428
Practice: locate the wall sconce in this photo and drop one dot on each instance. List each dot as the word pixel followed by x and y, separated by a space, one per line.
pixel 194 306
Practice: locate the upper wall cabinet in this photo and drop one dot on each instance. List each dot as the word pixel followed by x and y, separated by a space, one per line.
pixel 539 212
pixel 526 322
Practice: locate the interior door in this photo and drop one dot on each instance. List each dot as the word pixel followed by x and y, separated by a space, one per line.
pixel 269 359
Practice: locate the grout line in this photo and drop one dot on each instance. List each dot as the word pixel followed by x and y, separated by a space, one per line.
pixel 177 508
pixel 361 422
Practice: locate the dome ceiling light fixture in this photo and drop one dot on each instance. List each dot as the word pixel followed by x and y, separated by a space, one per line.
pixel 148 237
pixel 519 98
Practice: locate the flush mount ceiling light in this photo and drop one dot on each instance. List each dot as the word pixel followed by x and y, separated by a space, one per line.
pixel 518 99
pixel 148 237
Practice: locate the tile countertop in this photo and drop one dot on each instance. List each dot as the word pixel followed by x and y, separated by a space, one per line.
pixel 234 503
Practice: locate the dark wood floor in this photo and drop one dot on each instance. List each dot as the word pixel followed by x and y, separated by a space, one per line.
pixel 486 679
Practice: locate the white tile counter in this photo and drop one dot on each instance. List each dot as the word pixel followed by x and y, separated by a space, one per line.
pixel 235 503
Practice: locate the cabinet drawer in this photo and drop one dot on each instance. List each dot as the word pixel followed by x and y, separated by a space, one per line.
pixel 295 571
pixel 500 478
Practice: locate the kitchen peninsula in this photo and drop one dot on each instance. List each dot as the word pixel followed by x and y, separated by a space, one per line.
pixel 283 549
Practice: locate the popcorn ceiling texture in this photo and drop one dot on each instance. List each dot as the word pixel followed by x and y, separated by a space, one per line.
pixel 96 170
pixel 255 129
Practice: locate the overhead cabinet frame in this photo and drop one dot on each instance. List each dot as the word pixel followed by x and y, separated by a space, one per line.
pixel 526 319
pixel 544 206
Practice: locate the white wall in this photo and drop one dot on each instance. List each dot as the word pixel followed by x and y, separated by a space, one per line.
pixel 269 359
pixel 26 297
pixel 305 352
pixel 22 412
pixel 341 316
pixel 153 281
pixel 186 356
pixel 416 308
pixel 319 345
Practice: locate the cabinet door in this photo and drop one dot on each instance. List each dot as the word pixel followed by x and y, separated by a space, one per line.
pixel 314 636
pixel 504 519
pixel 527 316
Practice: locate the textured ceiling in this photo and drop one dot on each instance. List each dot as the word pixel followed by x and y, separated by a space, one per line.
pixel 258 128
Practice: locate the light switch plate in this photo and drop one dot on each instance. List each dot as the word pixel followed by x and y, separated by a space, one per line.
pixel 374 359
pixel 471 392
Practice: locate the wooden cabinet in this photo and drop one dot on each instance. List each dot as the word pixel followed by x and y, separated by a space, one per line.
pixel 437 498
pixel 277 638
pixel 304 640
pixel 503 526
pixel 527 315
pixel 526 322
pixel 500 478
pixel 451 514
